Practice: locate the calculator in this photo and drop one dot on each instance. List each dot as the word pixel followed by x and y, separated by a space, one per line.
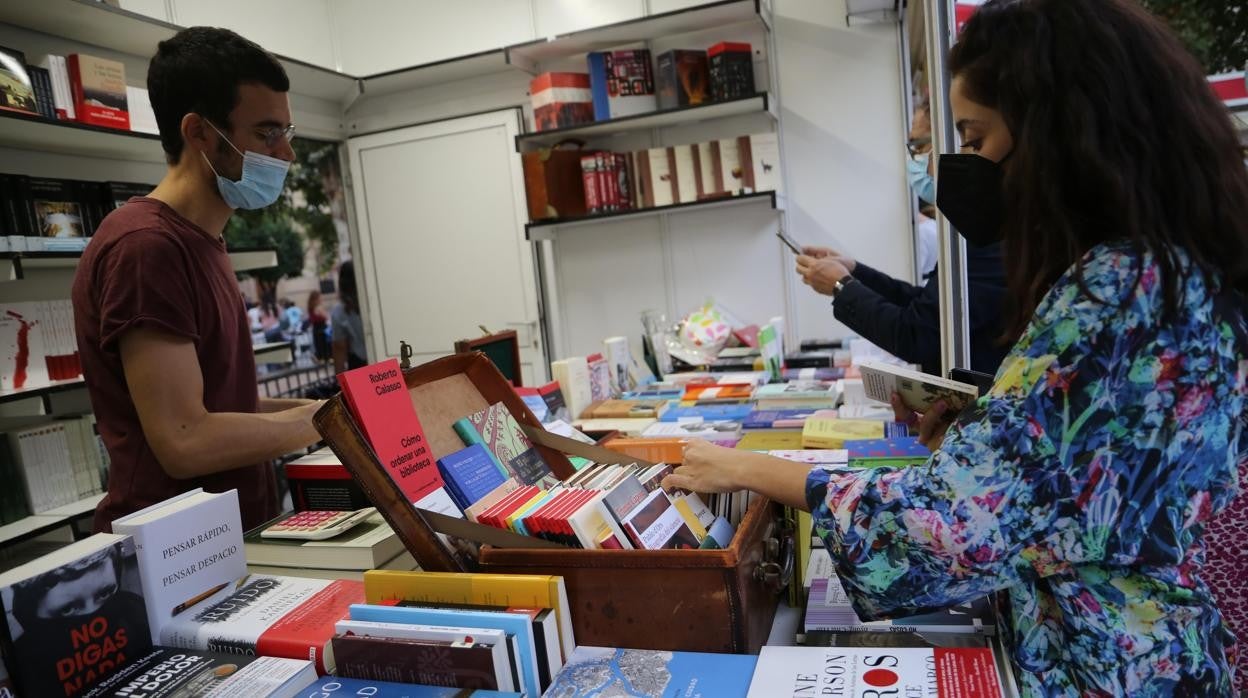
pixel 317 525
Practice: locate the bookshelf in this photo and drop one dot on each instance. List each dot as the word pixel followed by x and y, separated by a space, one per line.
pixel 536 56
pixel 544 230
pixel 15 266
pixel 44 522
pixel 682 116
pixel 99 24
pixel 436 73
pixel 33 132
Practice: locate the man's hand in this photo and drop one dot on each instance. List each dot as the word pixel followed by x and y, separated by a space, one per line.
pixel 825 252
pixel 821 274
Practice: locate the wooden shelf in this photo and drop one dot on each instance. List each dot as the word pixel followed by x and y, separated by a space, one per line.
pixel 32 132
pixel 41 523
pixel 22 264
pixel 544 230
pixel 113 28
pixel 754 104
pixel 531 56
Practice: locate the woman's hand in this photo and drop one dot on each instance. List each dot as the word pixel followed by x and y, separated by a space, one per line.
pixel 932 425
pixel 707 468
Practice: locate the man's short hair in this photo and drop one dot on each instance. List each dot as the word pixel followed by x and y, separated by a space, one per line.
pixel 199 71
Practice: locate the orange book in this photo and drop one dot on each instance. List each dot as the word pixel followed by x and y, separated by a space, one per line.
pixel 660 450
pixel 718 393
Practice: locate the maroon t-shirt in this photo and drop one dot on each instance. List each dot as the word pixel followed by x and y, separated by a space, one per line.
pixel 147 266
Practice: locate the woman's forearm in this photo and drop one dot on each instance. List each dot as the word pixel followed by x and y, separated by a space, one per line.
pixel 777 479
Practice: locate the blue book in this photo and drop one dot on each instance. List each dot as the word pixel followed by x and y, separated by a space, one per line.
pixel 766 419
pixel 601 671
pixel 709 413
pixel 517 624
pixel 896 447
pixel 472 472
pixel 335 687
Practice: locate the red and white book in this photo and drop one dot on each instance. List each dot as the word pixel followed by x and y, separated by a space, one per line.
pixel 99 91
pixel 859 672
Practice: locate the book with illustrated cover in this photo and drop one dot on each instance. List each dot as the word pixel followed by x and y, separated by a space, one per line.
pixel 501 435
pixel 656 524
pixel 868 672
pixel 17 92
pixel 56 206
pixel 621 83
pixel 99 91
pixel 919 391
pixel 176 673
pixel 23 351
pixel 797 390
pixel 896 447
pixel 600 378
pixel 683 79
pixel 189 548
pixel 561 100
pixel 778 419
pixel 710 413
pixel 73 618
pixel 501 649
pixel 828 609
pixel 464 664
pixel 270 616
pixel 717 431
pixel 597 672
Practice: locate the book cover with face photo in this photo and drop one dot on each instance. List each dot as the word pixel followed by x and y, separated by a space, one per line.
pixel 17 92
pixel 74 617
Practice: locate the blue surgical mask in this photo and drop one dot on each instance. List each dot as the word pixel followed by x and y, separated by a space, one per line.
pixel 921 182
pixel 263 179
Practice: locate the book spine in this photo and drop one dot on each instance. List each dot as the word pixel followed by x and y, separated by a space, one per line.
pixel 75 86
pixel 622 181
pixel 598 76
pixel 673 178
pixel 589 178
pixel 604 192
pixel 67 92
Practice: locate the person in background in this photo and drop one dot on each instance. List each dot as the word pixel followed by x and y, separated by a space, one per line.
pixel 346 325
pixel 292 318
pixel 320 327
pixel 899 317
pixel 1082 484
pixel 161 329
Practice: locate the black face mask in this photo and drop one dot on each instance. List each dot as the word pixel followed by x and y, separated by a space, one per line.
pixel 968 193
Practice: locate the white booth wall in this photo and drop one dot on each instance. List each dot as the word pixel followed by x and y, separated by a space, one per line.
pixel 841 119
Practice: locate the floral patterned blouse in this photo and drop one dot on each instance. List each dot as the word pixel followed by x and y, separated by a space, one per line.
pixel 1080 485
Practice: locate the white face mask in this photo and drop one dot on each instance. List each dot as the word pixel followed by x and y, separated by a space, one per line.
pixel 263 178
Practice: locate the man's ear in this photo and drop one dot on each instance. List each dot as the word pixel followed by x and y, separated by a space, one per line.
pixel 196 134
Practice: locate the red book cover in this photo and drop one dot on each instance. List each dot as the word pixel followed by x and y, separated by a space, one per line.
pixel 493 515
pixel 589 177
pixel 99 91
pixel 306 631
pixel 383 409
pixel 600 173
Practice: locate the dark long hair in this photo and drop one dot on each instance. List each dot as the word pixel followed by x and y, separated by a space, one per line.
pixel 1117 136
pixel 347 292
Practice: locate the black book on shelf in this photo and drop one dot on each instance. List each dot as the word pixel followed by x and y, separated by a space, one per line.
pixel 19 219
pixel 41 81
pixel 120 192
pixel 56 208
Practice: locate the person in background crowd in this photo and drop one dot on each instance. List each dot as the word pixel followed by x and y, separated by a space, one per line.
pixel 346 325
pixel 291 318
pixel 164 338
pixel 899 317
pixel 320 327
pixel 1082 484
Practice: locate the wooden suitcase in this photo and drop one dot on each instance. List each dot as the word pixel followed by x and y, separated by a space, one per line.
pixel 693 600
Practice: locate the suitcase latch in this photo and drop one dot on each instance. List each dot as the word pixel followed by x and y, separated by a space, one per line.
pixel 775 570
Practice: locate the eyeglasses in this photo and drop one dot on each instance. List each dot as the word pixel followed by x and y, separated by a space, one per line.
pixel 918 146
pixel 273 136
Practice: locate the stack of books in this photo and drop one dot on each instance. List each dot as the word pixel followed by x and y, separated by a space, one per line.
pixel 43 214
pixel 50 465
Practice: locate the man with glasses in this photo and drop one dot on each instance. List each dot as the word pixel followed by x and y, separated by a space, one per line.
pixel 901 318
pixel 162 332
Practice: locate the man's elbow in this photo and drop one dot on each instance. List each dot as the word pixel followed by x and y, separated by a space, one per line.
pixel 179 461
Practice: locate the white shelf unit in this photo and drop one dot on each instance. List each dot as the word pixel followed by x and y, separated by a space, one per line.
pixel 544 230
pixel 72 138
pixel 21 265
pixel 38 524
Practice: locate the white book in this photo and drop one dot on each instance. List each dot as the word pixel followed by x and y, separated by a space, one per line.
pixel 65 465
pixel 686 174
pixel 661 177
pixel 75 457
pixel 919 391
pixel 142 118
pixel 23 348
pixel 497 639
pixel 572 374
pixel 765 161
pixel 728 162
pixel 694 429
pixel 24 451
pixel 862 672
pixel 706 167
pixel 189 547
pixel 619 359
pixel 592 523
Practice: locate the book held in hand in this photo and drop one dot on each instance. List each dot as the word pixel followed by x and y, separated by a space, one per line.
pixel 919 391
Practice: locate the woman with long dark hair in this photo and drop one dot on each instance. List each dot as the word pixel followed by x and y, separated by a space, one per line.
pixel 347 326
pixel 1081 484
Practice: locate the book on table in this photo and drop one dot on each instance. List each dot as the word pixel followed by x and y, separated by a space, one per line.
pixel 600 671
pixel 366 546
pixel 932 672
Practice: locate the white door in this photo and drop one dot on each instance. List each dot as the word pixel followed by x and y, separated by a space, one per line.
pixel 440 210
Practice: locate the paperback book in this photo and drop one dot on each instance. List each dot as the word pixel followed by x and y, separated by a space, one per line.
pixel 869 672
pixel 919 391
pixel 176 673
pixel 598 672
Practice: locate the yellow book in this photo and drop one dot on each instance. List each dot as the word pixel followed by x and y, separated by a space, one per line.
pixel 537 499
pixel 769 440
pixel 518 590
pixel 823 432
pixel 690 518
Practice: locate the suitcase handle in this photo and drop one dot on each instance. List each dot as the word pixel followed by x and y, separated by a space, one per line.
pixel 775 570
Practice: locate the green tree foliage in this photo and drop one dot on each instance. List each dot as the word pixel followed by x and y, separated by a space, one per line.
pixel 1216 31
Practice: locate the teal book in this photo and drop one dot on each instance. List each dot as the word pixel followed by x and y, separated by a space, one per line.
pixel 600 672
pixel 517 624
pixel 468 433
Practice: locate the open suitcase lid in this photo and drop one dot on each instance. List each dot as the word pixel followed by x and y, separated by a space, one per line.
pixel 444 391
